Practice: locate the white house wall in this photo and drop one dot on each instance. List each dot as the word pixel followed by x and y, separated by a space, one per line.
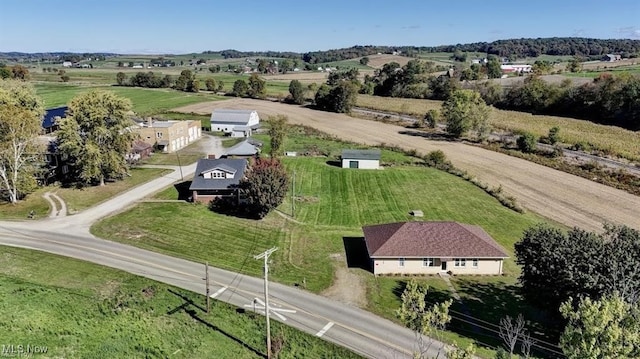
pixel 362 164
pixel 415 266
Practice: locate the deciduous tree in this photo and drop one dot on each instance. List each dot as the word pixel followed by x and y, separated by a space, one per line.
pixel 121 78
pixel 296 89
pixel 96 136
pixel 240 88
pixel 211 85
pixel 465 110
pixel 277 133
pixel 605 328
pixel 256 87
pixel 527 142
pixel 264 186
pixel 419 317
pixel 20 123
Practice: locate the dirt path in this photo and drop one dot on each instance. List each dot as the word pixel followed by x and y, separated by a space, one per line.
pixel 347 287
pixel 57 204
pixel 562 197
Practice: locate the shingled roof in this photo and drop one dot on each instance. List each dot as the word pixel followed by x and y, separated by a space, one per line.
pixel 430 239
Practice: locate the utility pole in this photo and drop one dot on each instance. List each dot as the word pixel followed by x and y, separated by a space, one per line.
pixel 206 279
pixel 179 165
pixel 266 255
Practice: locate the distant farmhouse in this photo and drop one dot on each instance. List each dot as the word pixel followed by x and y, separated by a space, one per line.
pixel 235 123
pixel 432 248
pixel 364 159
pixel 516 68
pixel 168 136
pixel 217 178
pixel 611 58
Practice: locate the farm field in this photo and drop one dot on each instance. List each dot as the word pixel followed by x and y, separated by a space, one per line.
pixel 145 101
pixel 611 139
pixel 559 196
pixel 119 315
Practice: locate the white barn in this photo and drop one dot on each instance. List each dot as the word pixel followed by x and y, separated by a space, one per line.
pixel 235 123
pixel 364 159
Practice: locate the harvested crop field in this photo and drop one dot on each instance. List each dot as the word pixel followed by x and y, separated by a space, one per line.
pixel 562 197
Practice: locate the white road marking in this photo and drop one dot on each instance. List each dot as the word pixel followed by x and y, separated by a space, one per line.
pixel 324 329
pixel 220 291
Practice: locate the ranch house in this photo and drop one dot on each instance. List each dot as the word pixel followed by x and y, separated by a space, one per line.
pixel 432 248
pixel 365 159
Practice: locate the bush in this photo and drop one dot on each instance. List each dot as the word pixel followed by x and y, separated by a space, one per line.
pixel 436 159
pixel 431 118
pixel 527 142
pixel 553 135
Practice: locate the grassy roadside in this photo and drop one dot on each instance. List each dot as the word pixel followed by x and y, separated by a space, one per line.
pixel 77 199
pixel 119 315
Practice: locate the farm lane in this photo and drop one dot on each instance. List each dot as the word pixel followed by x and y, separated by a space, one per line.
pixel 353 328
pixel 559 196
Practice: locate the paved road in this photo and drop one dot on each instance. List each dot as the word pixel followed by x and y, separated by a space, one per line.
pixel 358 330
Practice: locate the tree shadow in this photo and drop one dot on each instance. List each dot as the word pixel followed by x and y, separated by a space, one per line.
pixel 334 163
pixel 355 250
pixel 429 135
pixel 183 190
pixel 477 315
pixel 186 307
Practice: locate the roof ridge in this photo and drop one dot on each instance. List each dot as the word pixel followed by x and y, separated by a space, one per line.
pixel 493 244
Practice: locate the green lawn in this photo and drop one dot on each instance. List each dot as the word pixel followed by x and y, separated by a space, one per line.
pixel 145 101
pixel 81 310
pixel 78 199
pixel 331 203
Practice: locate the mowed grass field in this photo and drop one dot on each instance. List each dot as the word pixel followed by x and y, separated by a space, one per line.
pixel 81 310
pixel 145 101
pixel 611 139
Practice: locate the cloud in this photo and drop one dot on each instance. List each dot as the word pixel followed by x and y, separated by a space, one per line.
pixel 579 32
pixel 630 31
pixel 411 27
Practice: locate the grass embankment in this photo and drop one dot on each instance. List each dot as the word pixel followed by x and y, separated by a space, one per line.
pixel 77 199
pixel 609 139
pixel 81 310
pixel 332 204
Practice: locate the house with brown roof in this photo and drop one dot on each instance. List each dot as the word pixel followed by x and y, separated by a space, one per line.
pixel 432 248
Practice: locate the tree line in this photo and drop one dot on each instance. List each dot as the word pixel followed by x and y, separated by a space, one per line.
pixel 609 99
pixel 517 48
pixel 185 82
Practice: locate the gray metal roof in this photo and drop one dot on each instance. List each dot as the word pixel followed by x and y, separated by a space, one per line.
pixel 226 116
pixel 201 183
pixel 243 148
pixel 361 154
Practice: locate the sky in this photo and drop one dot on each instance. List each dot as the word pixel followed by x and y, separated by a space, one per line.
pixel 193 26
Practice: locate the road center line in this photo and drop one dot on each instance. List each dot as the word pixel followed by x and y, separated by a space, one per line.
pixel 220 291
pixel 324 329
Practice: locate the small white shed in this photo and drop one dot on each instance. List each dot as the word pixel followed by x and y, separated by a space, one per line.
pixel 363 159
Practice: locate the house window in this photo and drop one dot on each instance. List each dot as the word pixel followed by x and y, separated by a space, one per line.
pixel 459 262
pixel 474 262
pixel 158 134
pixel 428 262
pixel 400 262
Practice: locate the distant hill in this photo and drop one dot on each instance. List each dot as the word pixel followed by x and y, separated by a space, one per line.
pixel 565 46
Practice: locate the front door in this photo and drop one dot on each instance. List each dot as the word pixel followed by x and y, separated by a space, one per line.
pixel 444 266
pixel 353 164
